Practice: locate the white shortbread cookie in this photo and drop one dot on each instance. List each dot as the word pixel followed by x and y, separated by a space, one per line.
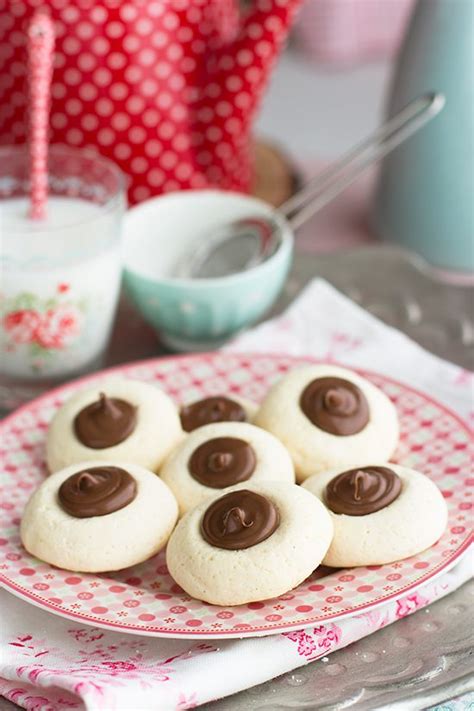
pixel 411 523
pixel 157 431
pixel 272 461
pixel 314 450
pixel 100 543
pixel 265 570
pixel 251 408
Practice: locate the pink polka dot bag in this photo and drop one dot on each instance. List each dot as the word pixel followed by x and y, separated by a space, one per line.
pixel 168 89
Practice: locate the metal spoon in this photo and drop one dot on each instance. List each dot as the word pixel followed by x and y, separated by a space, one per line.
pixel 242 244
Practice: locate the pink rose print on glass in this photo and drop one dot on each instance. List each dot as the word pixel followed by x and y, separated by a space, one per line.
pixel 41 328
pixel 22 325
pixel 58 327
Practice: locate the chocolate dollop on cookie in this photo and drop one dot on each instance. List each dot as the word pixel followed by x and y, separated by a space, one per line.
pixel 222 462
pixel 239 520
pixel 335 405
pixel 209 410
pixel 97 491
pixel 105 422
pixel 363 491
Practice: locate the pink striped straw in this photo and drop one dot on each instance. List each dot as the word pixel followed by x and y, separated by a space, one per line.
pixel 40 69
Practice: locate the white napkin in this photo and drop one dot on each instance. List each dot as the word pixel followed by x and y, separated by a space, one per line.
pixel 47 663
pixel 325 324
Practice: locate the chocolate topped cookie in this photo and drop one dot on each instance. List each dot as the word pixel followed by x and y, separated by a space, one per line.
pixel 238 520
pixel 329 417
pixel 252 542
pixel 336 406
pixel 105 422
pixel 97 491
pixel 217 456
pixel 98 516
pixel 121 419
pixel 381 513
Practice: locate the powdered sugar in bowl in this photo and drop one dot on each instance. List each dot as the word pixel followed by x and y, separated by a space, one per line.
pixel 60 277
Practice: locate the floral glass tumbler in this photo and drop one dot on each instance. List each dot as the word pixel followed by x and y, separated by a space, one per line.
pixel 60 276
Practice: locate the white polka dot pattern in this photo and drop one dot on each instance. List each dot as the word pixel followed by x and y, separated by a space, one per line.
pixel 168 89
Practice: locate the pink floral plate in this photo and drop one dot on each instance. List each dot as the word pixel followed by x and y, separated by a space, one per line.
pixel 145 599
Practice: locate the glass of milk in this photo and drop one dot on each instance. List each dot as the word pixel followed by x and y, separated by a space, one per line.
pixel 60 277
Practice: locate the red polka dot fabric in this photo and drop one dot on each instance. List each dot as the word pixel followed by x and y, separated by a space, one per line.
pixel 168 89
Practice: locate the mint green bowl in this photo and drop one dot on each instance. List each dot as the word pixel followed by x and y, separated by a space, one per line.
pixel 197 314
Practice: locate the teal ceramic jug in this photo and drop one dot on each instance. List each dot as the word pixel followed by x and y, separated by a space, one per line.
pixel 425 194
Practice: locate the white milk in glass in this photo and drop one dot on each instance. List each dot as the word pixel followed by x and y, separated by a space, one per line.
pixel 60 279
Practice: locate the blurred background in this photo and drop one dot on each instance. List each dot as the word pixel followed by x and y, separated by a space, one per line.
pixel 329 87
pixel 247 96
